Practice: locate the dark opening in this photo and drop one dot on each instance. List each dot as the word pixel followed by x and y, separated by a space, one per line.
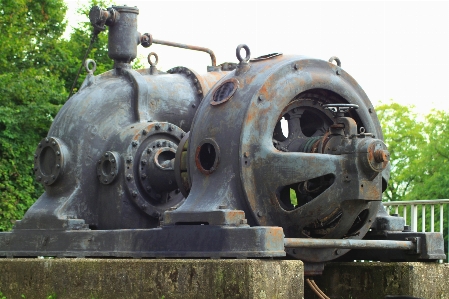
pixel 224 91
pixel 192 223
pixel 207 156
pixel 359 222
pixel 47 160
pixel 164 158
pixel 310 123
pixel 322 227
pixel 296 195
pixel 106 167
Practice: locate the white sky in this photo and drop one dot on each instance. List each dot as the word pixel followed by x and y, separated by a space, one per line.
pixel 394 49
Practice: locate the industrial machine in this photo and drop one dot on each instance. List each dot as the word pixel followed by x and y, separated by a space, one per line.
pixel 279 155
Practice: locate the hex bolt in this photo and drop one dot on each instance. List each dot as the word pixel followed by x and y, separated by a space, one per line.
pixel 112 160
pixel 144 207
pixel 105 180
pixel 129 159
pixel 106 155
pixel 149 150
pixel 337 252
pixel 39 178
pixel 143 176
pixel 143 162
pixel 53 177
pixel 128 177
pixel 158 144
pixel 338 72
pixel 134 194
pixel 35 155
pixel 47 140
pixel 370 110
pixel 259 214
pixel 164 143
pixel 157 126
pixel 261 98
pixel 170 128
pixel 193 105
pixel 135 143
pixel 188 73
pixel 169 145
pixel 58 153
pixel 296 66
pixel 46 182
pixel 112 173
pixel 40 144
pixel 144 132
pixel 53 143
pixel 246 154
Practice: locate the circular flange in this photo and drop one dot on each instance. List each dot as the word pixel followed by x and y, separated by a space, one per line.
pixel 108 167
pixel 49 160
pixel 137 157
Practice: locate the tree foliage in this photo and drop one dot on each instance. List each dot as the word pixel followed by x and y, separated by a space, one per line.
pixel 419 152
pixel 37 69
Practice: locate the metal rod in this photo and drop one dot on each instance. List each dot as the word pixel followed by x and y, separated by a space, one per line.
pixel 189 47
pixel 348 244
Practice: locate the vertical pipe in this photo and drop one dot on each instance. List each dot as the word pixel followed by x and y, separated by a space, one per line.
pixel 441 218
pixel 432 218
pixel 423 218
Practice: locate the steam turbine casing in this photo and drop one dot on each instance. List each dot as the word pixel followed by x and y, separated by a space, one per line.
pixel 104 117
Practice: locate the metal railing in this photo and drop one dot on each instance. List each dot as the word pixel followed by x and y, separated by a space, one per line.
pixel 422 215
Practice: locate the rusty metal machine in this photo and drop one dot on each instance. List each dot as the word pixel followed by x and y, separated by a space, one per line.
pixel 280 155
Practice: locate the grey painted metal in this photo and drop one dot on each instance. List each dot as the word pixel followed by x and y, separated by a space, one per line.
pixel 123 178
pixel 349 244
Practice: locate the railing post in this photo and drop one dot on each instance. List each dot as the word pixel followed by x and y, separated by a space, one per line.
pixel 432 218
pixel 441 218
pixel 423 218
pixel 414 217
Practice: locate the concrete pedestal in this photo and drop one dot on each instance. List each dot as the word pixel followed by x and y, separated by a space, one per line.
pixel 151 278
pixel 376 280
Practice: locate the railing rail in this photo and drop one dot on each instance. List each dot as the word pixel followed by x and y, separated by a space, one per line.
pixel 427 225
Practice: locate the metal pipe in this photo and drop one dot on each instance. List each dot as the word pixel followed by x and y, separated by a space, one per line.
pixel 348 244
pixel 189 47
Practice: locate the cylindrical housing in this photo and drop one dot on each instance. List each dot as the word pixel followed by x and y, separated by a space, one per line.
pixel 123 35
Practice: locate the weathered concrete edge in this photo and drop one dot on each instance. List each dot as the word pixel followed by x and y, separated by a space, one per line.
pixel 151 278
pixel 376 280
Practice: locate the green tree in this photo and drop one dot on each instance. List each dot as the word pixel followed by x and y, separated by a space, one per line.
pixel 431 170
pixel 403 133
pixel 32 93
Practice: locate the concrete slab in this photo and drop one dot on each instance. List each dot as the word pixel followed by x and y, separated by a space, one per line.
pixel 376 280
pixel 151 278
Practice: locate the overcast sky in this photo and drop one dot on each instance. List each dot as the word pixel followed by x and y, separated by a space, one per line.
pixel 394 49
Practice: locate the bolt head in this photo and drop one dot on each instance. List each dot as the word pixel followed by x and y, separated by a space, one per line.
pixel 134 194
